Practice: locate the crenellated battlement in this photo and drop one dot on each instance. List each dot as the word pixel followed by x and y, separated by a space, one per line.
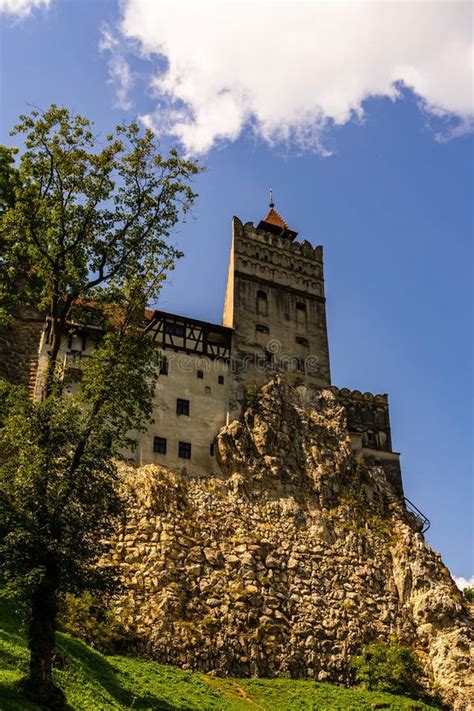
pixel 277 259
pixel 357 395
pixel 304 249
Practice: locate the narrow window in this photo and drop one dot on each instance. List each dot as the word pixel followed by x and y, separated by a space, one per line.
pixel 262 302
pixel 372 440
pixel 369 415
pixel 200 374
pixel 184 450
pixel 300 365
pixel 159 445
pixel 220 380
pixel 163 365
pixel 302 341
pixel 261 328
pixel 300 312
pixel 182 407
pixel 211 449
pixel 381 418
pixel 83 343
pixel 69 341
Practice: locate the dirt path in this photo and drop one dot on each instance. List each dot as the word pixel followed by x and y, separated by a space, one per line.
pixel 227 692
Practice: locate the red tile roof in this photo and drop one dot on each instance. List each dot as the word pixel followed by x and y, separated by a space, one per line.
pixel 273 218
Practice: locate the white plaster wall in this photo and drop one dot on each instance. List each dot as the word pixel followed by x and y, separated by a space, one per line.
pixel 208 412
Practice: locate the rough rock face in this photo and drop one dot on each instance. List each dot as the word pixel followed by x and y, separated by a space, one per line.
pixel 289 562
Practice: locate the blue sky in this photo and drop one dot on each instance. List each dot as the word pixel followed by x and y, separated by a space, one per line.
pixel 391 206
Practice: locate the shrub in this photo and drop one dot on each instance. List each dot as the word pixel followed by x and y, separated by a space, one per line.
pixel 387 667
pixel 469 594
pixel 88 617
pixel 252 395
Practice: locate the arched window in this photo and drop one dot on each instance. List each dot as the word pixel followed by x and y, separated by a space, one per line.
pixel 301 341
pixel 261 328
pixel 262 302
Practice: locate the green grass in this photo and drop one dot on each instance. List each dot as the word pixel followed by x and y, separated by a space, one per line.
pixel 96 682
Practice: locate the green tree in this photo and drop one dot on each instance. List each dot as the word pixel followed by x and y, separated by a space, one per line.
pixel 387 667
pixel 85 237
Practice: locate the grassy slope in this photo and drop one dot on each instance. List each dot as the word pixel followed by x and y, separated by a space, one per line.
pixel 95 682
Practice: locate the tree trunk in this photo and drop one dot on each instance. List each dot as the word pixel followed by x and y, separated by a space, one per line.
pixel 56 336
pixel 39 683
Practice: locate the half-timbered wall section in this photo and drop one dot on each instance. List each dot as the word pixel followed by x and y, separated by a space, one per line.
pixel 187 335
pixel 191 396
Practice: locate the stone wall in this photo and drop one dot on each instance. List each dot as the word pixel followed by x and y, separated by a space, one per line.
pixel 287 562
pixel 19 344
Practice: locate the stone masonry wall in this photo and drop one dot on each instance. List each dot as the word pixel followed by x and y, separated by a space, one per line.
pixel 19 344
pixel 289 561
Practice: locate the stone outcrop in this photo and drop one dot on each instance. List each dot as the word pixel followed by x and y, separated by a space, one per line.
pixel 289 561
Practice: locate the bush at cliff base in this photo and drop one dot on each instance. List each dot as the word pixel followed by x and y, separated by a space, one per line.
pixel 387 667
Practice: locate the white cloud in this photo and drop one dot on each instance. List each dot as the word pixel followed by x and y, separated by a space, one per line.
pixel 288 70
pixel 120 74
pixel 21 8
pixel 464 582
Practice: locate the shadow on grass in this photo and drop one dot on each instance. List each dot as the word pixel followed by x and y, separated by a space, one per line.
pixel 96 668
pixel 10 623
pixel 12 699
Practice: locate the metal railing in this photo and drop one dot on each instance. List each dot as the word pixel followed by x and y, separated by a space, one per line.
pixel 423 522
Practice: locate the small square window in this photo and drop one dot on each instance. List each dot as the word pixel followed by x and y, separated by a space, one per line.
pixel 163 366
pixel 184 450
pixel 159 445
pixel 220 380
pixel 200 374
pixel 182 407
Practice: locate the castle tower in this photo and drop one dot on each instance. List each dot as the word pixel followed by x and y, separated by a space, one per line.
pixel 275 303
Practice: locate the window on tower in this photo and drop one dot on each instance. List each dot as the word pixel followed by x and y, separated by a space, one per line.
pixel 300 365
pixel 300 312
pixel 261 328
pixel 262 302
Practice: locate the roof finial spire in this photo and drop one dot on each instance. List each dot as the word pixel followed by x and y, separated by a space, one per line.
pixel 272 204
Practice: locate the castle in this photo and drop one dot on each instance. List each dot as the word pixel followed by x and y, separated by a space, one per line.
pixel 274 321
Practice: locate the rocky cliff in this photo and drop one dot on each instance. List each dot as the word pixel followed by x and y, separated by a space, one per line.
pixel 289 561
